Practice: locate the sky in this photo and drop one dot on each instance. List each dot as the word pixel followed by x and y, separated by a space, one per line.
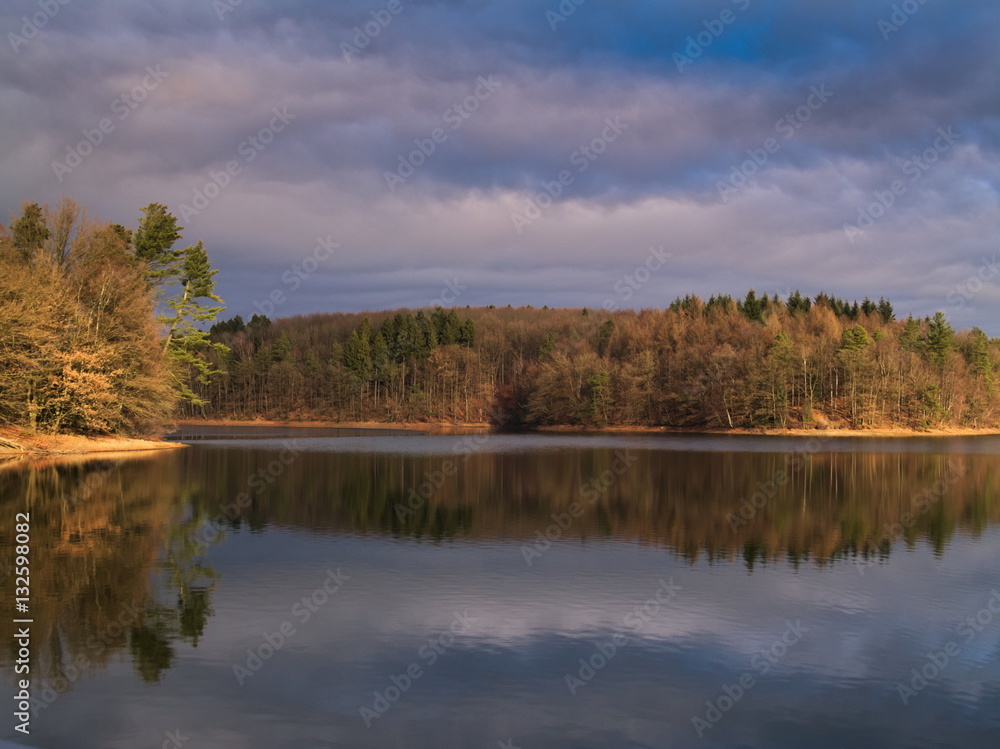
pixel 364 155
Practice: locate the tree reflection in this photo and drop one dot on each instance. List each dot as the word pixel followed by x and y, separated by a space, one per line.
pixel 99 529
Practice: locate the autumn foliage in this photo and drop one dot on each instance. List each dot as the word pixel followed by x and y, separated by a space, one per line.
pixel 724 363
pixel 82 349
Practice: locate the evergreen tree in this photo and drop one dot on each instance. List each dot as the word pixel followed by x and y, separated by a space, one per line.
pixel 233 325
pixel 752 307
pixel 379 356
pixel 282 349
pixel 978 356
pixel 604 336
pixel 426 339
pixel 153 241
pixel 257 327
pixel 885 309
pixel 855 339
pixel 467 333
pixel 186 345
pixel 940 339
pixel 909 339
pixel 797 303
pixel 29 231
pixel 358 354
pixel 595 400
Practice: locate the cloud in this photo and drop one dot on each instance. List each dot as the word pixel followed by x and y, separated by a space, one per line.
pixel 359 118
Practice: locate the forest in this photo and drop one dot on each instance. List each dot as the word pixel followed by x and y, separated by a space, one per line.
pixel 755 362
pixel 108 329
pixel 99 323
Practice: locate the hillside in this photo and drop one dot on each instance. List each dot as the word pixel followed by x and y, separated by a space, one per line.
pixel 759 362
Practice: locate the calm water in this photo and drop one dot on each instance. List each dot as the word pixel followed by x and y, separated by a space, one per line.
pixel 352 589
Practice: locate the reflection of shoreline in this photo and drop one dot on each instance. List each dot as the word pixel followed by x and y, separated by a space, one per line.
pixel 832 506
pixel 100 526
pixel 21 461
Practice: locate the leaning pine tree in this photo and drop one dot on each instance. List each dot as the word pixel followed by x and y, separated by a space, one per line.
pixel 186 345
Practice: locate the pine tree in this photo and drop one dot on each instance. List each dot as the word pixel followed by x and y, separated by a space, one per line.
pixel 467 333
pixel 909 339
pixel 358 354
pixel 153 241
pixel 979 356
pixel 940 339
pixel 282 349
pixel 797 303
pixel 29 232
pixel 885 309
pixel 855 339
pixel 604 336
pixel 752 307
pixel 427 338
pixel 186 345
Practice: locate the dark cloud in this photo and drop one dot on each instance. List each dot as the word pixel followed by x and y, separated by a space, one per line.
pixel 663 180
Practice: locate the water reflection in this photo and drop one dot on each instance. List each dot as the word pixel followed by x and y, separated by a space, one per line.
pixel 113 567
pixel 753 506
pixel 175 564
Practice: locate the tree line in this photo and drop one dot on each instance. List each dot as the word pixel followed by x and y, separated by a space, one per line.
pixel 109 329
pixel 758 361
pixel 100 325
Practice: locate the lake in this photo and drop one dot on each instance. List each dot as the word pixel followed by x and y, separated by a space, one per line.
pixel 284 587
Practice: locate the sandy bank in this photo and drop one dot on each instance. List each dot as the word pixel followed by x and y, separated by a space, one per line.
pixel 15 442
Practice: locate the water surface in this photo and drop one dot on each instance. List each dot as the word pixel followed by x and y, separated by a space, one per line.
pixel 314 589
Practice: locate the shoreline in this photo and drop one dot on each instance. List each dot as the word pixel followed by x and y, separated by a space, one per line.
pixel 788 432
pixel 413 426
pixel 625 429
pixel 15 443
